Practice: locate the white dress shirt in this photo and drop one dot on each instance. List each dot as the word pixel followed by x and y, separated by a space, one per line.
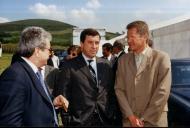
pixel 139 57
pixel 93 63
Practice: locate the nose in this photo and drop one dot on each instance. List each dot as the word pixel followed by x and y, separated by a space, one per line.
pixel 129 40
pixel 94 45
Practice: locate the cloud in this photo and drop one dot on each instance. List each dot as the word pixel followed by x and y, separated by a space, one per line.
pixel 86 14
pixel 48 11
pixel 94 4
pixel 83 14
pixel 3 20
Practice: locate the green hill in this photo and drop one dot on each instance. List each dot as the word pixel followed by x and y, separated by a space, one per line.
pixel 61 32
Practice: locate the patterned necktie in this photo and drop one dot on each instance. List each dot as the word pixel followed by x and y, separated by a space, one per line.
pixel 93 73
pixel 39 74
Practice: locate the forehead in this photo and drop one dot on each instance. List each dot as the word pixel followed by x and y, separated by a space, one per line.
pixel 132 31
pixel 89 37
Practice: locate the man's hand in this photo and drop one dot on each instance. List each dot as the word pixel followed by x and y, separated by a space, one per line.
pixel 135 121
pixel 61 102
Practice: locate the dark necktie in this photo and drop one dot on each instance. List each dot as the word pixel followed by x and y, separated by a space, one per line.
pixel 93 73
pixel 39 74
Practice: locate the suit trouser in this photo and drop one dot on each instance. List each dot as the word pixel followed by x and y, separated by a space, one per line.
pixel 94 120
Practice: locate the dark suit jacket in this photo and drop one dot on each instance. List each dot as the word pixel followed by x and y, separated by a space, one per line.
pixel 76 83
pixel 112 60
pixel 50 76
pixel 117 114
pixel 115 63
pixel 23 100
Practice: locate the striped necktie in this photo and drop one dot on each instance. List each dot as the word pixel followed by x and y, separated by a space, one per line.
pixel 93 73
pixel 39 74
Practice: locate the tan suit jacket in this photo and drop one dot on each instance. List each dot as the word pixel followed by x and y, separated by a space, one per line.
pixel 144 92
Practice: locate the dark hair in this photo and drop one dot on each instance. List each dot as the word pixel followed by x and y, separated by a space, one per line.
pixel 150 43
pixel 118 44
pixel 71 48
pixel 141 26
pixel 89 32
pixel 108 46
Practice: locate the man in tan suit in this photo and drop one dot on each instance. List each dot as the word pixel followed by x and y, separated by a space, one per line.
pixel 143 81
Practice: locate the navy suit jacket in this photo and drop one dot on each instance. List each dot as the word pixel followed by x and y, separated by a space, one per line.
pixel 23 101
pixel 76 83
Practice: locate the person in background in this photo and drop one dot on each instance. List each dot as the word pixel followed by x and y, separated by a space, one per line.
pixel 150 43
pixel 53 60
pixel 49 74
pixel 143 81
pixel 118 51
pixel 73 51
pixel 23 93
pixel 86 81
pixel 107 52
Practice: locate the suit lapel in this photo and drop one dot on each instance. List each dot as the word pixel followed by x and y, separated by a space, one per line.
pixel 145 61
pixel 84 68
pixel 142 65
pixel 132 63
pixel 35 80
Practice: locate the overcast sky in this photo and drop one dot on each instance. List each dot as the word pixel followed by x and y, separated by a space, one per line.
pixel 113 15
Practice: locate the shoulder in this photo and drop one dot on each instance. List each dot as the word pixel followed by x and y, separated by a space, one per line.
pixel 104 64
pixel 125 56
pixel 50 68
pixel 14 73
pixel 72 63
pixel 102 60
pixel 160 54
pixel 162 59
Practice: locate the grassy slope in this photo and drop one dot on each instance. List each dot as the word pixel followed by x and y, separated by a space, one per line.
pixel 62 32
pixel 5 61
pixel 49 25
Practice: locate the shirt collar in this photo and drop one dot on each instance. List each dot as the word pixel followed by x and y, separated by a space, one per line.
pixel 33 66
pixel 87 58
pixel 109 57
pixel 143 52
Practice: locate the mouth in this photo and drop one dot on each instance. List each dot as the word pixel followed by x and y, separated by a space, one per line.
pixel 93 51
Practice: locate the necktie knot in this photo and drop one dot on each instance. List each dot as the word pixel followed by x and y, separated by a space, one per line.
pixel 90 61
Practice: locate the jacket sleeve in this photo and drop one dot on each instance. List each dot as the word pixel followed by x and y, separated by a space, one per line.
pixel 161 93
pixel 120 90
pixel 12 98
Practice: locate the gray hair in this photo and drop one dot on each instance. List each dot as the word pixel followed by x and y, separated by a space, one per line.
pixel 32 37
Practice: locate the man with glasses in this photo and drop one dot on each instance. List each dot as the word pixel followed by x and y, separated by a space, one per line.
pixel 25 99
